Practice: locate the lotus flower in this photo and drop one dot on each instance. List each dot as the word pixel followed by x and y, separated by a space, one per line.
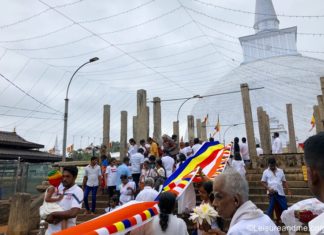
pixel 203 212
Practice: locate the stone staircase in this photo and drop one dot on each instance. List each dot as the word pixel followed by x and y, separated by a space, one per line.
pixel 296 184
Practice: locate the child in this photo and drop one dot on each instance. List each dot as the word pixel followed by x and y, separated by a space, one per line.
pixel 51 197
pixel 111 177
pixel 113 203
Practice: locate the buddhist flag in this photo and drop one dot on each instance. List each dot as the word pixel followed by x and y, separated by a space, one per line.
pixel 205 119
pixel 312 122
pixel 217 127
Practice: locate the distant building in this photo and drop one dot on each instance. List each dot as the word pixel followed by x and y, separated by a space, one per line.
pixel 270 61
pixel 13 146
pixel 275 126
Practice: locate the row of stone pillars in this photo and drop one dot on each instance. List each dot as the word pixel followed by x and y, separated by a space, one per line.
pixel 319 110
pixel 141 123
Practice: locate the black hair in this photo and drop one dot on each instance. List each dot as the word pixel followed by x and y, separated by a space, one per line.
pixel 142 141
pixel 72 169
pixel 236 139
pixel 160 163
pixel 140 150
pixel 174 137
pixel 182 157
pixel 152 158
pixel 208 187
pixel 187 144
pixel 115 198
pixel 276 134
pixel 167 202
pixel 257 145
pixel 123 177
pixel 132 140
pixel 271 161
pixel 243 139
pixel 314 152
pixel 211 139
pixel 111 160
pixel 93 158
pixel 237 156
pixel 196 140
pixel 126 159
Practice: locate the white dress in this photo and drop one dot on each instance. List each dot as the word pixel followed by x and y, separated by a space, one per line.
pixel 49 207
pixel 176 226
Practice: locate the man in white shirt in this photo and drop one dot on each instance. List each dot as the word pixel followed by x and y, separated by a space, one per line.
pixel 273 180
pixel 168 163
pixel 196 146
pixel 259 150
pixel 132 148
pixel 148 193
pixel 277 144
pixel 91 179
pixel 244 151
pixel 231 193
pixel 314 158
pixel 71 202
pixel 187 150
pixel 136 161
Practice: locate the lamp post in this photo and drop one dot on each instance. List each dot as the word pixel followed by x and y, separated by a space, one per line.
pixel 193 97
pixel 227 130
pixel 67 106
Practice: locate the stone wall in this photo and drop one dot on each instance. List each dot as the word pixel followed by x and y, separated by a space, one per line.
pixel 4 211
pixel 285 160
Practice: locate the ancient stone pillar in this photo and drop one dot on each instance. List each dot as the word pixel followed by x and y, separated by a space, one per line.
pixel 134 128
pixel 262 128
pixel 267 147
pixel 18 222
pixel 191 127
pixel 249 122
pixel 198 124
pixel 321 111
pixel 106 126
pixel 318 125
pixel 123 135
pixel 322 85
pixel 203 131
pixel 291 129
pixel 157 119
pixel 176 129
pixel 142 121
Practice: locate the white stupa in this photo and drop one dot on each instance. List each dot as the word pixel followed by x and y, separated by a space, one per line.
pixel 271 60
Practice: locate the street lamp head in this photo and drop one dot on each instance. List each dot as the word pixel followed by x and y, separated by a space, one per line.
pixel 197 96
pixel 93 59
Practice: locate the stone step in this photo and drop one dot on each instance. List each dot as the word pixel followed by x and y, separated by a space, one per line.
pixel 264 198
pixel 294 191
pixel 289 177
pixel 292 184
pixel 82 217
pixel 264 205
pixel 99 210
pixel 286 171
pixel 33 232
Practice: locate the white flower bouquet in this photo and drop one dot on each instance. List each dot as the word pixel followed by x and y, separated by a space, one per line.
pixel 202 213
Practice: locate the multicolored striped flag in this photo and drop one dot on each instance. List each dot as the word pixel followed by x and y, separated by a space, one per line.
pixel 211 158
pixel 117 222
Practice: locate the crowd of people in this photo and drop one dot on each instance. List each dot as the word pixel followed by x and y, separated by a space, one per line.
pixel 143 171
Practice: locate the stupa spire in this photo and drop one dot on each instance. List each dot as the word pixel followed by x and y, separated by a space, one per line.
pixel 265 16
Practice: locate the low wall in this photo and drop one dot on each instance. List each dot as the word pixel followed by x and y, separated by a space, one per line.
pixel 4 211
pixel 284 160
